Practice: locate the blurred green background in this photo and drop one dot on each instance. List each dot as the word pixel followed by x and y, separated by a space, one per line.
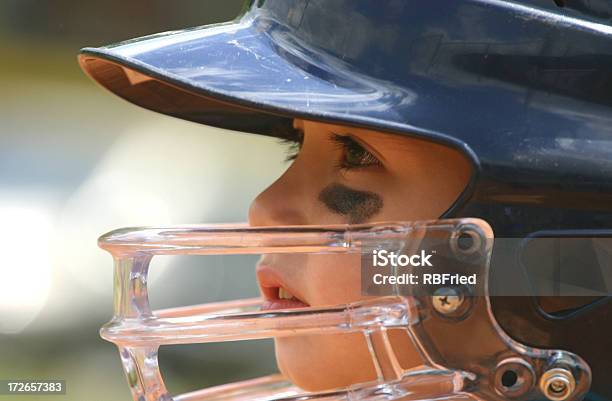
pixel 76 162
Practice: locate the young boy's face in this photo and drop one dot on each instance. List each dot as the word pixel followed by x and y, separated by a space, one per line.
pixel 346 175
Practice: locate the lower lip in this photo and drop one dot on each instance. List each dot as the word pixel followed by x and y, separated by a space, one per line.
pixel 282 304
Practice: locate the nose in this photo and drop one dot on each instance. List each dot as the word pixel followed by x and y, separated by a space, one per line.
pixel 282 203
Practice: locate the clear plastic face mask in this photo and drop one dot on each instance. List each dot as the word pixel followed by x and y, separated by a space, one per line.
pixel 439 319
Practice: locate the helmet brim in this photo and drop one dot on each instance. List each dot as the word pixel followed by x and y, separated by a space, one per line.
pixel 241 77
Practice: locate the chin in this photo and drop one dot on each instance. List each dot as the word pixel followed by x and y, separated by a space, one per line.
pixel 325 361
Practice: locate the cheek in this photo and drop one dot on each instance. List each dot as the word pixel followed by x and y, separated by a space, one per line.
pixel 333 279
pixel 320 362
pixel 357 205
pixel 423 203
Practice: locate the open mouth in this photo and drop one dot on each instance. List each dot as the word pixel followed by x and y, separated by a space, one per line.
pixel 280 298
pixel 276 294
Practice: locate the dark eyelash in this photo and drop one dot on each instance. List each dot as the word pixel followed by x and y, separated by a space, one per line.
pixel 293 143
pixel 350 145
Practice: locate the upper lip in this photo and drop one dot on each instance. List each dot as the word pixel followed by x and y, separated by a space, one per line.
pixel 270 279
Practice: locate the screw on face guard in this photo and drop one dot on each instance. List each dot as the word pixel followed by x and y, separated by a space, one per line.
pixel 447 300
pixel 457 363
pixel 557 384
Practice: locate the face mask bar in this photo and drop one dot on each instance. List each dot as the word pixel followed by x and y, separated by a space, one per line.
pixel 465 353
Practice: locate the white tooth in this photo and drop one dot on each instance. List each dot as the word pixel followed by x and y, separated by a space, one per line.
pixel 284 294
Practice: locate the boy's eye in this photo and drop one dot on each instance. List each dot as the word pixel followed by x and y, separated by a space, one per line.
pixel 353 154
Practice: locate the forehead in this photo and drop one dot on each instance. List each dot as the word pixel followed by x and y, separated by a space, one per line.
pixel 373 137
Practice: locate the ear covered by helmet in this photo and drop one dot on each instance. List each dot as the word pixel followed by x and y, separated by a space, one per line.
pixel 522 88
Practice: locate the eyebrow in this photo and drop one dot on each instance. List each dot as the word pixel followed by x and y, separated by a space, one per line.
pixel 359 206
